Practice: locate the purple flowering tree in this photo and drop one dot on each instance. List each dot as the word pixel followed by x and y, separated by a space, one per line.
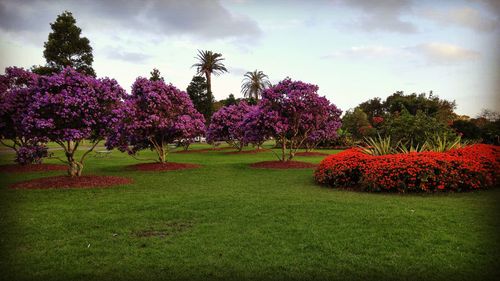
pixel 292 113
pixel 71 107
pixel 325 128
pixel 15 97
pixel 255 127
pixel 227 124
pixel 154 116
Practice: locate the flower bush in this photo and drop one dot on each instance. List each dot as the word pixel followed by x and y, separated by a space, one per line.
pixel 31 154
pixel 155 115
pixel 469 168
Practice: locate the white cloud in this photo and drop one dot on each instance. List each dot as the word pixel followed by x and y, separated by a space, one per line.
pixel 382 15
pixel 462 16
pixel 434 53
pixel 444 53
pixel 365 52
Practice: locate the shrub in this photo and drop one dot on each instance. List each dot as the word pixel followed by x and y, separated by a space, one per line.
pixel 470 168
pixel 31 154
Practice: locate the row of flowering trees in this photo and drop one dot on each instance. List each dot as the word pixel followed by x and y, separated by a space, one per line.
pixel 290 112
pixel 69 108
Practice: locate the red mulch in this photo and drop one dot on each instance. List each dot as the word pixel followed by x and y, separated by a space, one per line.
pixel 15 168
pixel 90 181
pixel 311 154
pixel 204 150
pixel 283 165
pixel 248 151
pixel 169 166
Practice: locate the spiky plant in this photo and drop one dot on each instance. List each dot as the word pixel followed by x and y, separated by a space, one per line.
pixel 442 143
pixel 378 146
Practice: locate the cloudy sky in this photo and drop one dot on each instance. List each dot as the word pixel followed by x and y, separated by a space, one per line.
pixel 353 50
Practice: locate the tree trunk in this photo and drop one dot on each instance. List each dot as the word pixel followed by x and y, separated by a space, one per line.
pixel 74 167
pixel 283 150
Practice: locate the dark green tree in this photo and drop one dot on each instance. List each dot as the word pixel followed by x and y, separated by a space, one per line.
pixel 467 129
pixel 156 75
pixel 65 47
pixel 198 92
pixel 356 123
pixel 230 100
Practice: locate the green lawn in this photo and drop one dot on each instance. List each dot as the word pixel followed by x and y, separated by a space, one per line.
pixel 226 221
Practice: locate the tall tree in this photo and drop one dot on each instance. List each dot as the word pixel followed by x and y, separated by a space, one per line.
pixel 156 75
pixel 197 91
pixel 254 83
pixel 209 63
pixel 65 47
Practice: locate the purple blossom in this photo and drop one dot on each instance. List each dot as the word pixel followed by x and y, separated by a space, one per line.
pixel 294 114
pixel 155 115
pixel 227 124
pixel 70 107
pixel 15 98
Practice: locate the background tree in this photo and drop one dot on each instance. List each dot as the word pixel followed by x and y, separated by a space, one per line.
pixel 156 75
pixel 15 98
pixel 467 129
pixel 65 47
pixel 254 83
pixel 70 107
pixel 209 63
pixel 357 124
pixel 198 93
pixel 230 100
pixel 227 125
pixel 152 117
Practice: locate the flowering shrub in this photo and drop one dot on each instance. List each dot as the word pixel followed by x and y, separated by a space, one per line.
pixel 227 125
pixel 153 116
pixel 291 111
pixel 31 154
pixel 469 168
pixel 68 108
pixel 15 98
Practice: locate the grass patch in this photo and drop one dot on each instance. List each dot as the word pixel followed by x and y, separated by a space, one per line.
pixel 227 221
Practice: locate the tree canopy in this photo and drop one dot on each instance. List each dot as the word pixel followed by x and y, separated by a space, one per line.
pixel 66 47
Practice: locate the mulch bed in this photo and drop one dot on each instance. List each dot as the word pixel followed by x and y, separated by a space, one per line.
pixel 283 165
pixel 90 181
pixel 311 154
pixel 15 168
pixel 204 150
pixel 169 166
pixel 248 151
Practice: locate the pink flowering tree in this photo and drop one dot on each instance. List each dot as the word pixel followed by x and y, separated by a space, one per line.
pixel 15 97
pixel 227 124
pixel 292 113
pixel 154 116
pixel 70 107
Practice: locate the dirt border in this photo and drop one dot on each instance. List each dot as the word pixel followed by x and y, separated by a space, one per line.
pixel 202 150
pixel 169 166
pixel 16 168
pixel 65 182
pixel 283 165
pixel 311 153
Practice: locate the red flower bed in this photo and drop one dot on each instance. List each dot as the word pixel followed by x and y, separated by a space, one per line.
pixel 470 168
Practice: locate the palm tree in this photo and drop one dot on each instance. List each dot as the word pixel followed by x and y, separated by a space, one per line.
pixel 209 63
pixel 254 83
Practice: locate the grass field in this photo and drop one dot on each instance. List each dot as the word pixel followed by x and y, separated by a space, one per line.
pixel 226 221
